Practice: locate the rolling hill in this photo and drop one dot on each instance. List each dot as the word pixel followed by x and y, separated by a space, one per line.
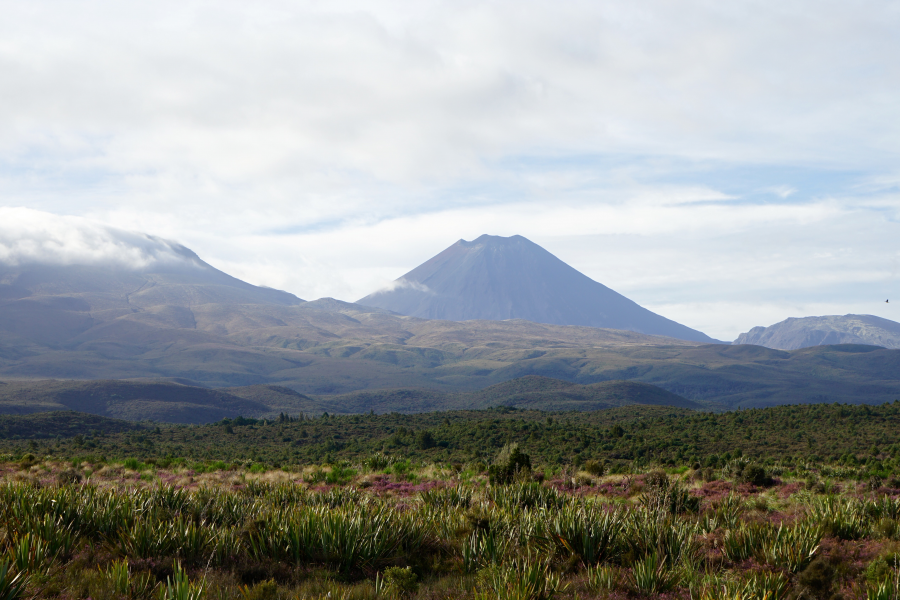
pixel 177 403
pixel 158 401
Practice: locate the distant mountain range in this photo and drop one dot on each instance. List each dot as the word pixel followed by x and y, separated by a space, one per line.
pixel 795 333
pixel 499 278
pixel 176 322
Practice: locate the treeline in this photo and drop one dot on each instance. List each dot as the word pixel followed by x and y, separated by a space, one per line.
pixel 856 436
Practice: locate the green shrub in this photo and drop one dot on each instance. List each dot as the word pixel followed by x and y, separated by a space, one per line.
pixel 666 495
pixel 594 467
pixel 401 582
pixel 882 568
pixel 817 579
pixel 264 590
pixel 340 476
pixel 755 475
pixel 511 464
pixel 378 461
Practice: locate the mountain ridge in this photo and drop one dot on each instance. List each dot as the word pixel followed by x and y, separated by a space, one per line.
pixel 179 403
pixel 803 332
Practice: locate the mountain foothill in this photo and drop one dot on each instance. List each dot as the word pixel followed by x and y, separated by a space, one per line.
pixel 491 322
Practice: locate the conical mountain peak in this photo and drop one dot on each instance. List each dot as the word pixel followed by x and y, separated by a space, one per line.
pixel 499 278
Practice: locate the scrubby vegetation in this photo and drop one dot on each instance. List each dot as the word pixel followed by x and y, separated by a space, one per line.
pixel 638 502
pixel 384 527
pixel 858 437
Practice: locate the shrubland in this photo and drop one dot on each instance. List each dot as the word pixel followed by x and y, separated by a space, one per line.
pixel 860 437
pixel 643 502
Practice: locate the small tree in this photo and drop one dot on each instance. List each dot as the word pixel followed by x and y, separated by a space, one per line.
pixel 510 464
pixel 424 440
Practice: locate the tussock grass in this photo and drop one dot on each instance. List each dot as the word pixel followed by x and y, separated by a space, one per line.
pixel 241 534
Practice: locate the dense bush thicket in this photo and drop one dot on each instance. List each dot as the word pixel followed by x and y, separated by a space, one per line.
pixel 861 437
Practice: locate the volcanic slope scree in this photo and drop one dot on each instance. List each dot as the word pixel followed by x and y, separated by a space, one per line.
pixel 498 278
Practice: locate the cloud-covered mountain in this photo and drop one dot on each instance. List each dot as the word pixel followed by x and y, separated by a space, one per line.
pixel 499 278
pixel 71 263
pixel 794 333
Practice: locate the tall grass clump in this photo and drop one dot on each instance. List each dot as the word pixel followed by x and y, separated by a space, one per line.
pixel 527 496
pixel 759 586
pixel 484 548
pixel 521 579
pixel 743 541
pixel 841 518
pixel 12 583
pixel 179 587
pixel 672 540
pixel 592 533
pixel 653 574
pixel 30 554
pixel 725 513
pixel 791 548
pixel 348 538
pixel 450 497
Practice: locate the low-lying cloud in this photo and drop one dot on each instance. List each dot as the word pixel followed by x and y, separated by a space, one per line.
pixel 403 284
pixel 30 236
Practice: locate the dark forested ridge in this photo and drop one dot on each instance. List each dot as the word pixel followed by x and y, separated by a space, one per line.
pixel 178 403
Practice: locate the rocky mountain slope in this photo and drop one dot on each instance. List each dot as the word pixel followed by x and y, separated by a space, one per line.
pixel 498 278
pixel 794 333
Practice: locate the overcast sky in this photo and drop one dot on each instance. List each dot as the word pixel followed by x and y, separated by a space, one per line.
pixel 725 164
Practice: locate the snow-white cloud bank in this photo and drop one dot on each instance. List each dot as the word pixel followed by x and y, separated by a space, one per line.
pixel 35 237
